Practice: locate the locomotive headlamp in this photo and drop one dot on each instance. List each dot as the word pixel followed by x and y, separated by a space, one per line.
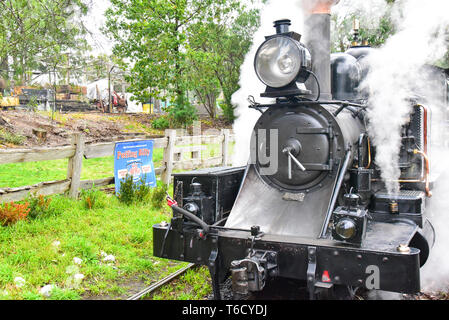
pixel 192 207
pixel 282 60
pixel 346 229
pixel 278 62
pixel 350 221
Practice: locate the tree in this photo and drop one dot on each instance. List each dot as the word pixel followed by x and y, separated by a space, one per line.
pixel 206 86
pixel 216 52
pixel 151 37
pixel 40 35
pixel 374 29
pixel 98 67
pixel 220 47
pixel 173 47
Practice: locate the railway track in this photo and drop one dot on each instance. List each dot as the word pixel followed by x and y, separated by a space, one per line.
pixel 160 283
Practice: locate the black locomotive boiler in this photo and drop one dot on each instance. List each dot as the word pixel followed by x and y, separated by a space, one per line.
pixel 310 205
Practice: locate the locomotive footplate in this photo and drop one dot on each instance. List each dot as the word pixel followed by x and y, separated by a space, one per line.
pixel 321 262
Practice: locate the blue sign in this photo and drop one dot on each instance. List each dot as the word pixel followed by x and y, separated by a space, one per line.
pixel 134 159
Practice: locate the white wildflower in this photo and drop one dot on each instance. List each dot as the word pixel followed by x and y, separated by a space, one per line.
pixel 109 258
pixel 47 290
pixel 19 282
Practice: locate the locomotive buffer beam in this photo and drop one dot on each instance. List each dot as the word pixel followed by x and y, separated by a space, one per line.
pixel 290 257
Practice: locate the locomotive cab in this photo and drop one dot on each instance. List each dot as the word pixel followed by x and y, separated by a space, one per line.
pixel 310 204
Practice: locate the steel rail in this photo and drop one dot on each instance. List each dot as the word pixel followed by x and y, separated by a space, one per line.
pixel 160 283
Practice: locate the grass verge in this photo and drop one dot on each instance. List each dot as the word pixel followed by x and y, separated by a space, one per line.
pixel 42 252
pixel 15 175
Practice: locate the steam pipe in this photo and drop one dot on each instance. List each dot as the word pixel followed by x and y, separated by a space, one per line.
pixel 426 159
pixel 192 217
pixel 337 188
pixel 206 228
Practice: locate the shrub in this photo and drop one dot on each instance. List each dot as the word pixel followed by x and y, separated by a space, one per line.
pixel 142 192
pixel 33 104
pixel 158 196
pixel 126 191
pixel 182 113
pixel 12 212
pixel 39 206
pixel 228 111
pixel 161 123
pixel 131 192
pixel 93 198
pixel 183 116
pixel 8 137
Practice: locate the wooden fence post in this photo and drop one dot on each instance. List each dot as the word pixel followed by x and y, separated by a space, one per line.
pixel 169 156
pixel 75 165
pixel 225 146
pixel 196 141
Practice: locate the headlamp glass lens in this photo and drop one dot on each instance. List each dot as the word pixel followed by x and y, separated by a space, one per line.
pixel 346 229
pixel 286 64
pixel 278 62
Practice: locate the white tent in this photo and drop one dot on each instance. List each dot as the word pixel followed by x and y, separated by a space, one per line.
pixel 133 106
pixel 102 85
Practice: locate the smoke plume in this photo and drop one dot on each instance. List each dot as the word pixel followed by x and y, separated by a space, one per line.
pixel 396 73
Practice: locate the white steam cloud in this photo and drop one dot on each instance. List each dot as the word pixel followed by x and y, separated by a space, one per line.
pixel 395 75
pixel 435 273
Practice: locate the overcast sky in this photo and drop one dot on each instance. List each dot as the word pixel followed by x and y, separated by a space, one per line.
pixel 94 21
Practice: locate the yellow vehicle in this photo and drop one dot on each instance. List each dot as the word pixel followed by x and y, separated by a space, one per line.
pixel 9 101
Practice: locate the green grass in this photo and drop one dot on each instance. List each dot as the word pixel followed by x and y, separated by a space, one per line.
pixel 26 248
pixel 195 284
pixel 23 174
pixel 27 251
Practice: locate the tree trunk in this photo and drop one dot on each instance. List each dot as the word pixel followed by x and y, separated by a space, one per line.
pixel 211 101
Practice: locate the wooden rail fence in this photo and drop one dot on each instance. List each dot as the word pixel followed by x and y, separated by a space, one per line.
pixel 175 148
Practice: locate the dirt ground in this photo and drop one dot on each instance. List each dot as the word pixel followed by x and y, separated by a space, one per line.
pixel 42 129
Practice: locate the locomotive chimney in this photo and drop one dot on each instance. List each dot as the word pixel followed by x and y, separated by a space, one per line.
pixel 317 39
pixel 282 26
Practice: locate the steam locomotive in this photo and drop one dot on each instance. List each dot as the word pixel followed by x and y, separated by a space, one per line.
pixel 310 205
